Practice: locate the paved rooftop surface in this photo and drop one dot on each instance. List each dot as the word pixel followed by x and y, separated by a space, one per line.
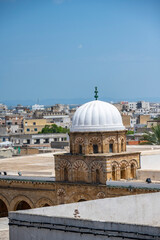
pixel 144 149
pixel 133 184
pixel 31 165
pixel 28 178
pixel 43 164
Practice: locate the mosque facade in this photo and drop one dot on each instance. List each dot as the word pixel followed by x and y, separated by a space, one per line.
pixel 97 147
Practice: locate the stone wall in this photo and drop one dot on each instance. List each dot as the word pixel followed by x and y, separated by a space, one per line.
pixel 22 194
pixel 28 151
pixel 96 168
pixel 84 142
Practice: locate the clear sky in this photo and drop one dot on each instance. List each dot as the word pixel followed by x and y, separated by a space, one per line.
pixel 55 49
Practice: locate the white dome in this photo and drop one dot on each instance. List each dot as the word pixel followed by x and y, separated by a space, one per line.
pixel 97 116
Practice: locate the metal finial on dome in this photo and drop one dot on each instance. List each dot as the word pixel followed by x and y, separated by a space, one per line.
pixel 96 92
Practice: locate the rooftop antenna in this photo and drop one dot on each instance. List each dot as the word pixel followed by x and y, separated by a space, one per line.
pixel 96 92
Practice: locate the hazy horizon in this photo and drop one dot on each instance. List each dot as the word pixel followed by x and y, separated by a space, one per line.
pixel 74 101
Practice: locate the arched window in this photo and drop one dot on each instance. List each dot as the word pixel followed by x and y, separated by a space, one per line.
pixel 111 144
pixel 80 149
pixel 113 173
pixel 97 176
pixel 133 170
pixel 111 147
pixel 3 209
pixel 123 171
pixel 82 200
pixel 65 174
pixel 23 206
pixel 46 205
pixel 95 148
pixel 80 174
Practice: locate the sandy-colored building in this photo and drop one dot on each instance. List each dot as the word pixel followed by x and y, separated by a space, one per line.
pixel 126 119
pixel 33 126
pixel 153 123
pixel 143 119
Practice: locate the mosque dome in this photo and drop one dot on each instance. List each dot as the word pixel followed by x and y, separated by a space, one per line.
pixel 97 116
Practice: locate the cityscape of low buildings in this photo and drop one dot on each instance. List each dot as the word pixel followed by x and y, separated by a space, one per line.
pixel 18 124
pixel 96 162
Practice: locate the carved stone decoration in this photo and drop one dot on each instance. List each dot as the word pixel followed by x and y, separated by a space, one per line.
pixel 111 139
pixel 80 164
pixel 121 138
pixel 96 165
pixel 43 202
pixel 61 194
pixel 97 172
pixel 101 195
pixel 114 163
pixel 63 168
pixel 63 164
pixel 133 161
pixel 94 140
pixel 123 162
pixel 79 140
pixel 133 167
pixel 80 171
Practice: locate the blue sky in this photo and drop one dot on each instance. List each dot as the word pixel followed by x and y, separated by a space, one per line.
pixel 61 49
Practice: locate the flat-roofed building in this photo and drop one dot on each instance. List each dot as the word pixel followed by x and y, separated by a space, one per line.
pixel 33 126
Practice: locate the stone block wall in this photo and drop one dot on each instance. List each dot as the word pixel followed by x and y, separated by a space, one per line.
pixel 84 142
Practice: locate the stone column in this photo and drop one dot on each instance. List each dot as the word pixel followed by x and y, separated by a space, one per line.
pixel 86 144
pixel 104 149
pixel 115 146
pixel 128 172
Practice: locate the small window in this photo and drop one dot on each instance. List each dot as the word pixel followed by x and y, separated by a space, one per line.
pixel 80 149
pixel 34 123
pixel 65 175
pixel 95 148
pixel 35 129
pixel 46 140
pixel 28 130
pixel 15 123
pixel 37 141
pixel 111 147
pixel 97 176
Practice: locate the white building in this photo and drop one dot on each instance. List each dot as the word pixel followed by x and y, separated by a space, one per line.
pixel 132 106
pixel 37 107
pixel 62 120
pixel 144 105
